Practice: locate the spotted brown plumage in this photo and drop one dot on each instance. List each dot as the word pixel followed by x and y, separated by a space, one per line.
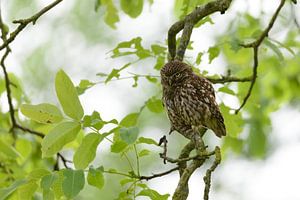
pixel 190 101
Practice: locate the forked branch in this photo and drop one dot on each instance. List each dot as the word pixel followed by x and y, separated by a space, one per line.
pixel 187 24
pixel 255 46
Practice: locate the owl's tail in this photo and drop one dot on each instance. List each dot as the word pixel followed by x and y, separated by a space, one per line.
pixel 218 128
pixel 220 131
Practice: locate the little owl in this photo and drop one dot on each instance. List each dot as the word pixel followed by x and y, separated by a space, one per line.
pixel 190 101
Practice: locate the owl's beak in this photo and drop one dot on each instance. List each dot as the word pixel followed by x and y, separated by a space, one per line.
pixel 170 82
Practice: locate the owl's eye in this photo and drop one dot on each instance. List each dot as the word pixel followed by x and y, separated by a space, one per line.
pixel 177 75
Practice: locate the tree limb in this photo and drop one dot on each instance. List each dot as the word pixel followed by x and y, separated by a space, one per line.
pixel 255 45
pixel 187 25
pixel 24 22
pixel 207 177
pixel 158 174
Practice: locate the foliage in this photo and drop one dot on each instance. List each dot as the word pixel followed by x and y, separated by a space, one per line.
pixel 31 165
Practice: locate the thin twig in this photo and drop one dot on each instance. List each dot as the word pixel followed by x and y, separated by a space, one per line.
pixel 207 177
pixel 255 45
pixel 223 79
pixel 202 155
pixel 137 160
pixel 229 79
pixel 64 160
pixel 158 174
pixel 24 22
pixel 8 83
pixel 163 155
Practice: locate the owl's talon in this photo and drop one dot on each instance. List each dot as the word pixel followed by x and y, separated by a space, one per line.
pixel 162 140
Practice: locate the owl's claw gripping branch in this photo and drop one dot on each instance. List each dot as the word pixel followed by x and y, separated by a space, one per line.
pixel 187 24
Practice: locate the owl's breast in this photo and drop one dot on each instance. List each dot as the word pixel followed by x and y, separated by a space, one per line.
pixel 189 105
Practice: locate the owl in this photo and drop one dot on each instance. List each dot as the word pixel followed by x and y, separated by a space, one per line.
pixel 190 101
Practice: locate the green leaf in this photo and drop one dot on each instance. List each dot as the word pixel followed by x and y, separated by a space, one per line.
pixel 226 90
pixel 203 21
pixel 94 120
pixel 115 73
pixel 235 144
pixel 157 49
pixel 67 96
pixel 97 5
pixel 283 46
pixel 133 46
pixel 145 140
pixel 257 139
pixel 48 194
pixel 160 61
pixel 276 50
pixel 151 79
pixel 235 44
pixel 57 185
pixel 8 150
pixel 73 182
pixel 60 135
pixel 37 174
pixel 199 57
pixel 48 180
pixel 86 152
pixel 95 178
pixel 84 85
pixel 130 120
pixel 42 113
pixel 24 147
pixel 153 195
pixel 26 191
pixel 126 180
pixel 111 14
pixel 118 146
pixel 213 53
pixel 155 105
pixel 129 135
pixel 133 8
pixel 112 74
pixel 234 123
pixel 143 152
pixel 5 192
pixel 135 79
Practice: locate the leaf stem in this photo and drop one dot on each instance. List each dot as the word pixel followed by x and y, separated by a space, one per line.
pixel 137 160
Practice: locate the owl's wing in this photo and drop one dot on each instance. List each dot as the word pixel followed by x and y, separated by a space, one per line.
pixel 206 94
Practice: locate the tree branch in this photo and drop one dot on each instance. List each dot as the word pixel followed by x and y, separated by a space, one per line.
pixel 185 171
pixel 158 174
pixel 255 45
pixel 6 41
pixel 207 177
pixel 24 22
pixel 187 25
pixel 229 79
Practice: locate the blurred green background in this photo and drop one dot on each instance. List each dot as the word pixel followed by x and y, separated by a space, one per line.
pixel 261 150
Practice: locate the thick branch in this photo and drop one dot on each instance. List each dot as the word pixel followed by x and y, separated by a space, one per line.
pixel 182 190
pixel 255 45
pixel 187 25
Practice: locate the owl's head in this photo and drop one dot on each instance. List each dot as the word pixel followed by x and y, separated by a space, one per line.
pixel 175 72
